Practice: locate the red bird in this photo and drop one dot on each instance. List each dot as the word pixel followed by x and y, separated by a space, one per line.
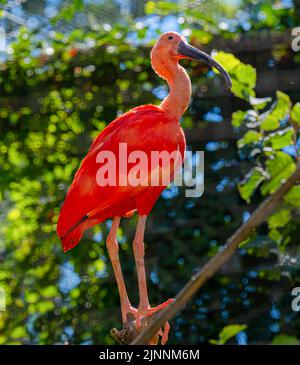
pixel 91 200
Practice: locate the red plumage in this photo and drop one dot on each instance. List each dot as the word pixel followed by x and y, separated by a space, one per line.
pixel 145 131
pixel 146 128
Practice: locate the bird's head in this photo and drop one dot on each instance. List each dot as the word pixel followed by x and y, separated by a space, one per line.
pixel 171 47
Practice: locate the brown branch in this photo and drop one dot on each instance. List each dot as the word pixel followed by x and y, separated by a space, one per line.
pixel 197 281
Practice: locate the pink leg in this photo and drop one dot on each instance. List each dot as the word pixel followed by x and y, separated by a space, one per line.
pixel 113 249
pixel 144 308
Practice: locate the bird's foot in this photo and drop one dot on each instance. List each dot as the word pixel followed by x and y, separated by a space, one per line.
pixel 126 310
pixel 148 312
pixel 164 333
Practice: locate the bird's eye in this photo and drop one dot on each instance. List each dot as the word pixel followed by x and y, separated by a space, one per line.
pixel 170 37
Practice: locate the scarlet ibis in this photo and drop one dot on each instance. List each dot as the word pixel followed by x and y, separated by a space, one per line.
pixel 145 128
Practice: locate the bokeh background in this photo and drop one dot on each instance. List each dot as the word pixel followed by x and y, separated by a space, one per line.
pixel 68 68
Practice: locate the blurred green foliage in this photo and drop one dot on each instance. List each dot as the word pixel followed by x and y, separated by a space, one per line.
pixel 57 93
pixel 227 333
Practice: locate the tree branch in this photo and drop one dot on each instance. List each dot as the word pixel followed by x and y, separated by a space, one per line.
pixel 211 267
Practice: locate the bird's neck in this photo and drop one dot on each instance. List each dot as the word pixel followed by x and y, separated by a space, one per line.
pixel 179 96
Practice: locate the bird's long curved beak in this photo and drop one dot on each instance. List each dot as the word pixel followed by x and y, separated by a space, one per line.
pixel 185 50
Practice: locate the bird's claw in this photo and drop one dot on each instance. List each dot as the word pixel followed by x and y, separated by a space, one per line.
pixel 148 312
pixel 164 333
pixel 129 310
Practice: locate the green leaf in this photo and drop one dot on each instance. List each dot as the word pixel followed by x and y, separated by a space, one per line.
pixel 295 113
pixel 293 196
pixel 243 76
pixel 238 118
pixel 279 219
pixel 279 169
pixel 283 339
pixel 280 139
pixel 228 60
pixel 270 123
pixel 249 137
pixel 278 112
pixel 246 74
pixel 283 105
pixel 228 332
pixel 241 90
pixel 244 81
pixel 252 181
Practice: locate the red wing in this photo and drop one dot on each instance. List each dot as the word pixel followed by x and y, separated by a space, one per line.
pixel 140 129
pixel 121 122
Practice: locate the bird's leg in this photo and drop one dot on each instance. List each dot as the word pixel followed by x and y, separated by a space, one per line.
pixel 113 249
pixel 144 309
